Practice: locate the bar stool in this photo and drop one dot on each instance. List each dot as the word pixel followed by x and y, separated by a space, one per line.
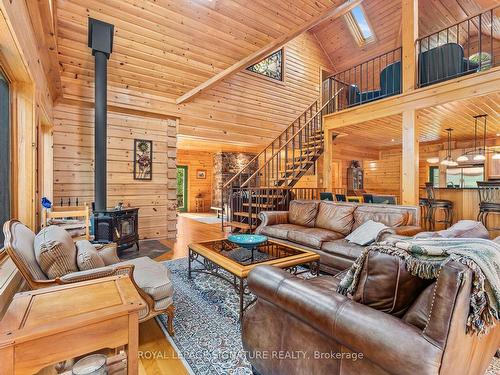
pixel 435 205
pixel 489 200
pixel 423 203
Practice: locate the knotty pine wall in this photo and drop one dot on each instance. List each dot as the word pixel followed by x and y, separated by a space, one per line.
pixel 242 110
pixel 196 160
pixel 74 171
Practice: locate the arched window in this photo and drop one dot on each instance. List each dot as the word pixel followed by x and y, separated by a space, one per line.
pixel 483 59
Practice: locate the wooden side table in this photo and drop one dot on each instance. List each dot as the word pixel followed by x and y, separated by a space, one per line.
pixel 46 326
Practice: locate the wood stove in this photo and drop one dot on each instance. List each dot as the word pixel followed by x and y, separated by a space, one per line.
pixel 117 225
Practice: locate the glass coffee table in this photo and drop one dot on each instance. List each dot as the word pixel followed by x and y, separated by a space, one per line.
pixel 211 257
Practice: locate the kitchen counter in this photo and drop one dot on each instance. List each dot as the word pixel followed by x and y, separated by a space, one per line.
pixel 465 205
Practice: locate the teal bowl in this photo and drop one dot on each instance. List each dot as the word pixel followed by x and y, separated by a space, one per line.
pixel 248 241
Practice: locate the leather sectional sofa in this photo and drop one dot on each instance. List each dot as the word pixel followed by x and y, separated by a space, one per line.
pixel 321 226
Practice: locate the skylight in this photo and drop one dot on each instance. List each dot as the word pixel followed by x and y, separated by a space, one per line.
pixel 360 27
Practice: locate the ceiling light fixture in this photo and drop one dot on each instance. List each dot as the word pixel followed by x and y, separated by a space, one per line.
pixel 448 160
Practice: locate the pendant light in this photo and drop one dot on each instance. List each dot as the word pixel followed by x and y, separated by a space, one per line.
pixel 481 156
pixel 448 160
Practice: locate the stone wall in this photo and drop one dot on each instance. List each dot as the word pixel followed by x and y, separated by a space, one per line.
pixel 226 165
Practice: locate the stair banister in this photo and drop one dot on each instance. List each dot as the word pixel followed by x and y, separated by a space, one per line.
pixel 292 138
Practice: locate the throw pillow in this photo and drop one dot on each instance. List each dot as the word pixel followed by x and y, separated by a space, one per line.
pixel 366 233
pixel 87 257
pixel 55 252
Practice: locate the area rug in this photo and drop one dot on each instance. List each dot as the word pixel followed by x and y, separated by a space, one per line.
pixel 147 248
pixel 207 331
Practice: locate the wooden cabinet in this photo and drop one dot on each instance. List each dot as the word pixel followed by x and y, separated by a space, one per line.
pixel 493 168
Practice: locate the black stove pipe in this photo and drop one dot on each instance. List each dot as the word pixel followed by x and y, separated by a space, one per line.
pixel 101 41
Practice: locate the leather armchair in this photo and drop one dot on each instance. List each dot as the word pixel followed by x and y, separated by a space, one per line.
pixel 302 326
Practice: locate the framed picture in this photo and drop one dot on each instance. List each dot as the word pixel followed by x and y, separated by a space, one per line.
pixel 201 174
pixel 143 159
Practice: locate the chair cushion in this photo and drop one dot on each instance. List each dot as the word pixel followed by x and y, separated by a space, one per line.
pixel 338 217
pixel 303 213
pixel 23 243
pixel 418 313
pixel 386 285
pixel 87 257
pixel 313 237
pixel 279 230
pixel 392 217
pixel 343 248
pixel 55 252
pixel 152 277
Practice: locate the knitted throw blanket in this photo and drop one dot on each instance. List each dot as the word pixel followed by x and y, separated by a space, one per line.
pixel 425 257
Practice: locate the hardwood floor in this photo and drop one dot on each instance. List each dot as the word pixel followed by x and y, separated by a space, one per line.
pixel 156 354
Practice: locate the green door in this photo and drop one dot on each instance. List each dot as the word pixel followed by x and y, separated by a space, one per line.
pixel 182 186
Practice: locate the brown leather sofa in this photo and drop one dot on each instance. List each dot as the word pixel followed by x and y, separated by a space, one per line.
pixel 322 226
pixel 299 326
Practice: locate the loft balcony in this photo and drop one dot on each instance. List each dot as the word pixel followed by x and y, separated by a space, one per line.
pixel 464 48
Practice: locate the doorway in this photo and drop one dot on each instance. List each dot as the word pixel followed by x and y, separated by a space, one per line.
pixel 182 188
pixel 4 152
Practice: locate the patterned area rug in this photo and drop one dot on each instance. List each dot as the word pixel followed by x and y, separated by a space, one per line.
pixel 207 331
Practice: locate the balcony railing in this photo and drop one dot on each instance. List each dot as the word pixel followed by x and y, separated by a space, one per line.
pixel 371 80
pixel 466 47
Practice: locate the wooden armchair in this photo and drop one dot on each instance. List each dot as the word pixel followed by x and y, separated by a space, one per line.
pixel 151 279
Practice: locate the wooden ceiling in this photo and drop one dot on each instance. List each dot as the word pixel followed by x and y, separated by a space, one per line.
pixel 164 48
pixel 433 121
pixel 385 19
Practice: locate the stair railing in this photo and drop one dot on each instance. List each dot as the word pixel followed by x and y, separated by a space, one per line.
pixel 281 165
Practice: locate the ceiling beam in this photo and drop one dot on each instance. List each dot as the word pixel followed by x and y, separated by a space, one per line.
pixel 331 12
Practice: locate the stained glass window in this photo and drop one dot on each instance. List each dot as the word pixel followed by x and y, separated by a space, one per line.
pixel 271 66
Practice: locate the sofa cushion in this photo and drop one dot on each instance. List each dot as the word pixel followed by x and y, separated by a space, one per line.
pixel 462 229
pixel 279 230
pixel 152 277
pixel 303 213
pixel 418 313
pixel 313 237
pixel 55 252
pixel 87 257
pixel 343 248
pixel 385 284
pixel 392 217
pixel 338 217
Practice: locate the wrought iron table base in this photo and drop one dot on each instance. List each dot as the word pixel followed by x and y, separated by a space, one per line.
pixel 239 284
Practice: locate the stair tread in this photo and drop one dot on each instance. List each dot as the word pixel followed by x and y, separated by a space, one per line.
pixel 243 214
pixel 259 205
pixel 237 224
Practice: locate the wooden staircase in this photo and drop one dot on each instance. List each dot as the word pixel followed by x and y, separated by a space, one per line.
pixel 270 186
